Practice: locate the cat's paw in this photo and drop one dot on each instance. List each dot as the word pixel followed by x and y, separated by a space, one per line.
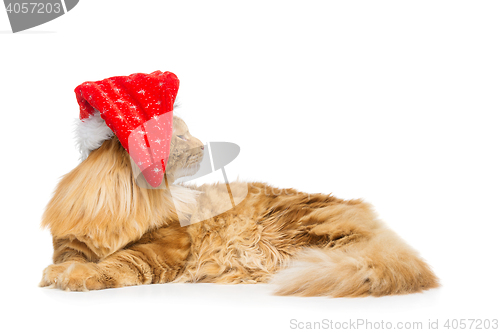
pixel 81 277
pixel 51 274
pixel 73 276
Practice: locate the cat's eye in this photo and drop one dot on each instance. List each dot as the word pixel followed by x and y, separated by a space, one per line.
pixel 182 137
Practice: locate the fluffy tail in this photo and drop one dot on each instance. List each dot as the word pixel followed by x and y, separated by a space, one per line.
pixel 383 265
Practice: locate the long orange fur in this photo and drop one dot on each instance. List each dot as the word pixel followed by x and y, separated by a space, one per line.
pixel 108 232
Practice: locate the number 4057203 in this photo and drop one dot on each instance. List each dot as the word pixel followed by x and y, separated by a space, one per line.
pixel 34 8
pixel 471 324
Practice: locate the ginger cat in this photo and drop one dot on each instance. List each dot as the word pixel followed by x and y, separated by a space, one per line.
pixel 109 233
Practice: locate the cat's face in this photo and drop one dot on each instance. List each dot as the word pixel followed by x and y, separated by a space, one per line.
pixel 186 152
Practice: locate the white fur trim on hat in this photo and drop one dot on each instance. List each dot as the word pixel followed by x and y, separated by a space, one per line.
pixel 91 133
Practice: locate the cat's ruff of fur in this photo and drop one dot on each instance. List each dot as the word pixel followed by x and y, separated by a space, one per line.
pixel 108 232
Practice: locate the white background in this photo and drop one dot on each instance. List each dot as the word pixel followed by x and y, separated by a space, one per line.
pixel 395 102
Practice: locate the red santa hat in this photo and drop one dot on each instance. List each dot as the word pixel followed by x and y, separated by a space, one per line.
pixel 138 110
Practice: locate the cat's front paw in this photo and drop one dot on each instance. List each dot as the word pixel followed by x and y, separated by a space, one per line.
pixel 51 274
pixel 81 277
pixel 73 277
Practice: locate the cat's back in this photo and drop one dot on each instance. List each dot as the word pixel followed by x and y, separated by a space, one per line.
pixel 231 244
pixel 249 241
